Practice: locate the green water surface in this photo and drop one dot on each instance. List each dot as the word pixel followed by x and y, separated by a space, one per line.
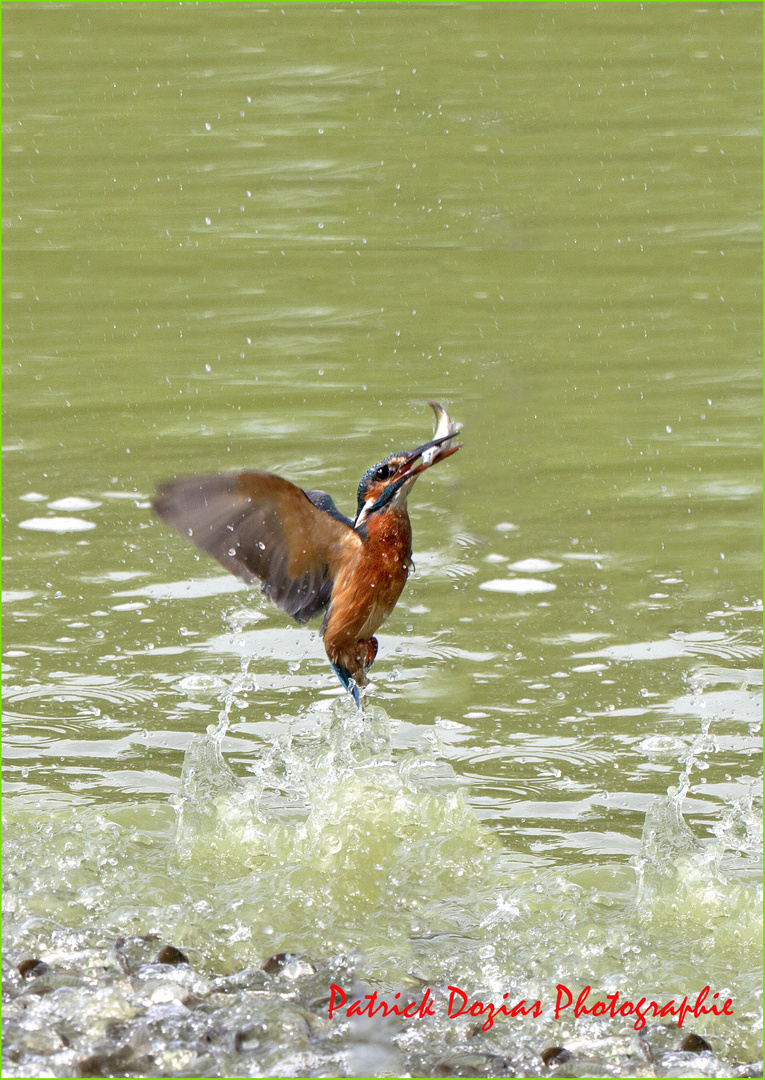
pixel 262 235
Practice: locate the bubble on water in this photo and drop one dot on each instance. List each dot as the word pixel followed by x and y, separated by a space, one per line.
pixel 534 566
pixel 57 524
pixel 201 683
pixel 518 586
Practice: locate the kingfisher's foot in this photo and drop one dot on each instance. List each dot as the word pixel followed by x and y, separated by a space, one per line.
pixel 367 651
pixel 348 681
pixel 351 664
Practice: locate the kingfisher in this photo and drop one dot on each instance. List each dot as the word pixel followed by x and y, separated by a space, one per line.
pixel 309 557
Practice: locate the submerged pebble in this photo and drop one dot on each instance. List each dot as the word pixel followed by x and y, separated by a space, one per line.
pixel 695 1044
pixel 555 1055
pixel 114 1063
pixel 31 968
pixel 171 955
pixel 277 962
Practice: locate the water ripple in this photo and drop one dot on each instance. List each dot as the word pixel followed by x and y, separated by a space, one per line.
pixel 83 694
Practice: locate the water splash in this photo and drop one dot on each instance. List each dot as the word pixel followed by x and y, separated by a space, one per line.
pixel 333 859
pixel 208 786
pixel 331 825
pixel 682 881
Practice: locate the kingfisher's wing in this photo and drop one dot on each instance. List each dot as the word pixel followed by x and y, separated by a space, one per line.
pixel 326 503
pixel 263 528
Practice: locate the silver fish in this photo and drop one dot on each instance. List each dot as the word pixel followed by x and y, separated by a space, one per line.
pixel 444 426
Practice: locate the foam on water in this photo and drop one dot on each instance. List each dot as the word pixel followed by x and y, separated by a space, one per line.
pixel 347 863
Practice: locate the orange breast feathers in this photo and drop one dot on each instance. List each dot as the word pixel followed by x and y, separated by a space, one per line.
pixel 367 587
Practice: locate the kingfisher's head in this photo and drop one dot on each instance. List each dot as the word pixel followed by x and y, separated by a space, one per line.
pixel 386 485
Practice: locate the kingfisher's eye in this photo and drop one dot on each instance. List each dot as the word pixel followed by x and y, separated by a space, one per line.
pixel 383 472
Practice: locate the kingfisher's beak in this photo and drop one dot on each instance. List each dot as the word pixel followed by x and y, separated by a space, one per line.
pixel 431 453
